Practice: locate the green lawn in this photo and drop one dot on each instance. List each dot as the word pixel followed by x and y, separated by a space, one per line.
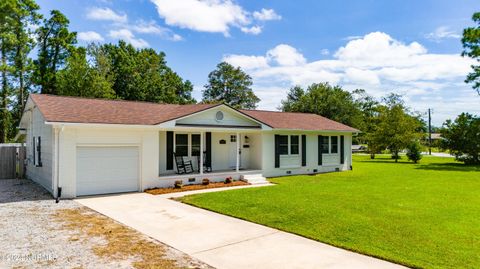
pixel 419 215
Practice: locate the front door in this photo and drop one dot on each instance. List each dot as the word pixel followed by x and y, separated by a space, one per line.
pixel 233 151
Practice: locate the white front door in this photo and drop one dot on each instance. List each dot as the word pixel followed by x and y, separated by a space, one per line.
pixel 233 151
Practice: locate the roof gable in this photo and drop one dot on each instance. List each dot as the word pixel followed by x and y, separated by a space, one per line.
pixel 228 117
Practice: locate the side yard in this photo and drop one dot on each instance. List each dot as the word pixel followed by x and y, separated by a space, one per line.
pixel 419 215
pixel 37 233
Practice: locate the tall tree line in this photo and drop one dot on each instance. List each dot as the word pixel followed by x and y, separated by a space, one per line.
pixel 40 54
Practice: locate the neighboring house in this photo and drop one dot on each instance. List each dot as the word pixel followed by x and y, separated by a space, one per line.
pixel 93 146
pixel 358 148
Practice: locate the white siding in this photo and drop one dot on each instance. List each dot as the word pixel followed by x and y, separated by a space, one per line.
pixel 292 164
pixel 37 128
pixel 208 118
pixel 72 137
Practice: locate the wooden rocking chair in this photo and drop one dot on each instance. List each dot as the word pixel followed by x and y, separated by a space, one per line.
pixel 183 167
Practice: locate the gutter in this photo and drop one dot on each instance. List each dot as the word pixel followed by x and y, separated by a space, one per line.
pixel 58 189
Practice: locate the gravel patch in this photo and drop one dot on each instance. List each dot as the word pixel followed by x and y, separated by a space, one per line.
pixel 31 238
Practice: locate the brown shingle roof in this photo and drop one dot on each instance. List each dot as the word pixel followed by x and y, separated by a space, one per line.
pixel 297 121
pixel 84 110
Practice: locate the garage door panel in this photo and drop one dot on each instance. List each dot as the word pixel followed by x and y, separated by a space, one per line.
pixel 107 169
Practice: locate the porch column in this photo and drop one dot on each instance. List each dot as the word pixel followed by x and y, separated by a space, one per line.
pixel 238 152
pixel 202 135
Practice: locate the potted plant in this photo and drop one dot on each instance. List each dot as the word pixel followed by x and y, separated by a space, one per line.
pixel 178 184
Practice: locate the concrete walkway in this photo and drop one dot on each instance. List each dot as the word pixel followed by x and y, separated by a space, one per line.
pixel 222 241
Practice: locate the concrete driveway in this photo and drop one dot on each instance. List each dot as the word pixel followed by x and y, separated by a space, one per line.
pixel 222 241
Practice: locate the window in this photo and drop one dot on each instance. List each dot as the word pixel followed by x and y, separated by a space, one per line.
pixel 325 142
pixel 37 151
pixel 233 138
pixel 283 144
pixel 195 145
pixel 181 144
pixel 334 145
pixel 294 149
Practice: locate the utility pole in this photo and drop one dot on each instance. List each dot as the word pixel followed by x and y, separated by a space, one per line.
pixel 429 131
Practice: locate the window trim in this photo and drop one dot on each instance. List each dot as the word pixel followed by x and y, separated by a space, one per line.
pixel 331 144
pixel 328 144
pixel 280 144
pixel 37 151
pixel 289 145
pixel 189 143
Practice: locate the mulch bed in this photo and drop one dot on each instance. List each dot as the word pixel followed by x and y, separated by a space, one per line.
pixel 212 185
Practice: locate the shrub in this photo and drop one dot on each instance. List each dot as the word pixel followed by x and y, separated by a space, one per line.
pixel 205 181
pixel 461 137
pixel 178 184
pixel 228 180
pixel 414 152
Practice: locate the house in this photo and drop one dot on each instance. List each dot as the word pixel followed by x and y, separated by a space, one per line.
pixel 79 146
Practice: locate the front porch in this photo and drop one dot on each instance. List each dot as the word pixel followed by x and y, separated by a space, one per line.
pixel 214 155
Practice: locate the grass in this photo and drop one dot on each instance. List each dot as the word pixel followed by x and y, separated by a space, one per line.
pixel 121 242
pixel 420 215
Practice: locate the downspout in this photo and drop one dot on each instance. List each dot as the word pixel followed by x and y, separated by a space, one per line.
pixel 58 133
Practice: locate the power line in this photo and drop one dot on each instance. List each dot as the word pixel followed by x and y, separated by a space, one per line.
pixel 430 131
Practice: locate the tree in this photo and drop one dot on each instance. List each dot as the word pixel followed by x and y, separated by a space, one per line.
pixel 144 75
pixel 396 128
pixel 55 45
pixel 6 47
pixel 15 44
pixel 462 138
pixel 230 85
pixel 369 108
pixel 323 99
pixel 414 152
pixel 471 48
pixel 25 15
pixel 81 78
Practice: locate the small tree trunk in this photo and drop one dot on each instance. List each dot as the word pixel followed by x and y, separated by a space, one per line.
pixel 4 97
pixel 372 155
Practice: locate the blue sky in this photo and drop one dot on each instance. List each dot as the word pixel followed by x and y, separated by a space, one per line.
pixel 409 47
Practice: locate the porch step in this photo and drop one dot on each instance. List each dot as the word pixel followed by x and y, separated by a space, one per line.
pixel 254 179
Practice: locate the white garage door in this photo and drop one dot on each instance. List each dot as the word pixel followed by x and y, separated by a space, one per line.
pixel 107 170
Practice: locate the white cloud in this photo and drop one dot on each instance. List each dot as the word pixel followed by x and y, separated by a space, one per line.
pixel 361 76
pixel 90 36
pixel 375 62
pixel 266 15
pixel 129 37
pixel 106 14
pixel 213 16
pixel 286 55
pixel 325 52
pixel 254 30
pixel 176 37
pixel 247 62
pixel 442 32
pixel 151 27
pixel 352 37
